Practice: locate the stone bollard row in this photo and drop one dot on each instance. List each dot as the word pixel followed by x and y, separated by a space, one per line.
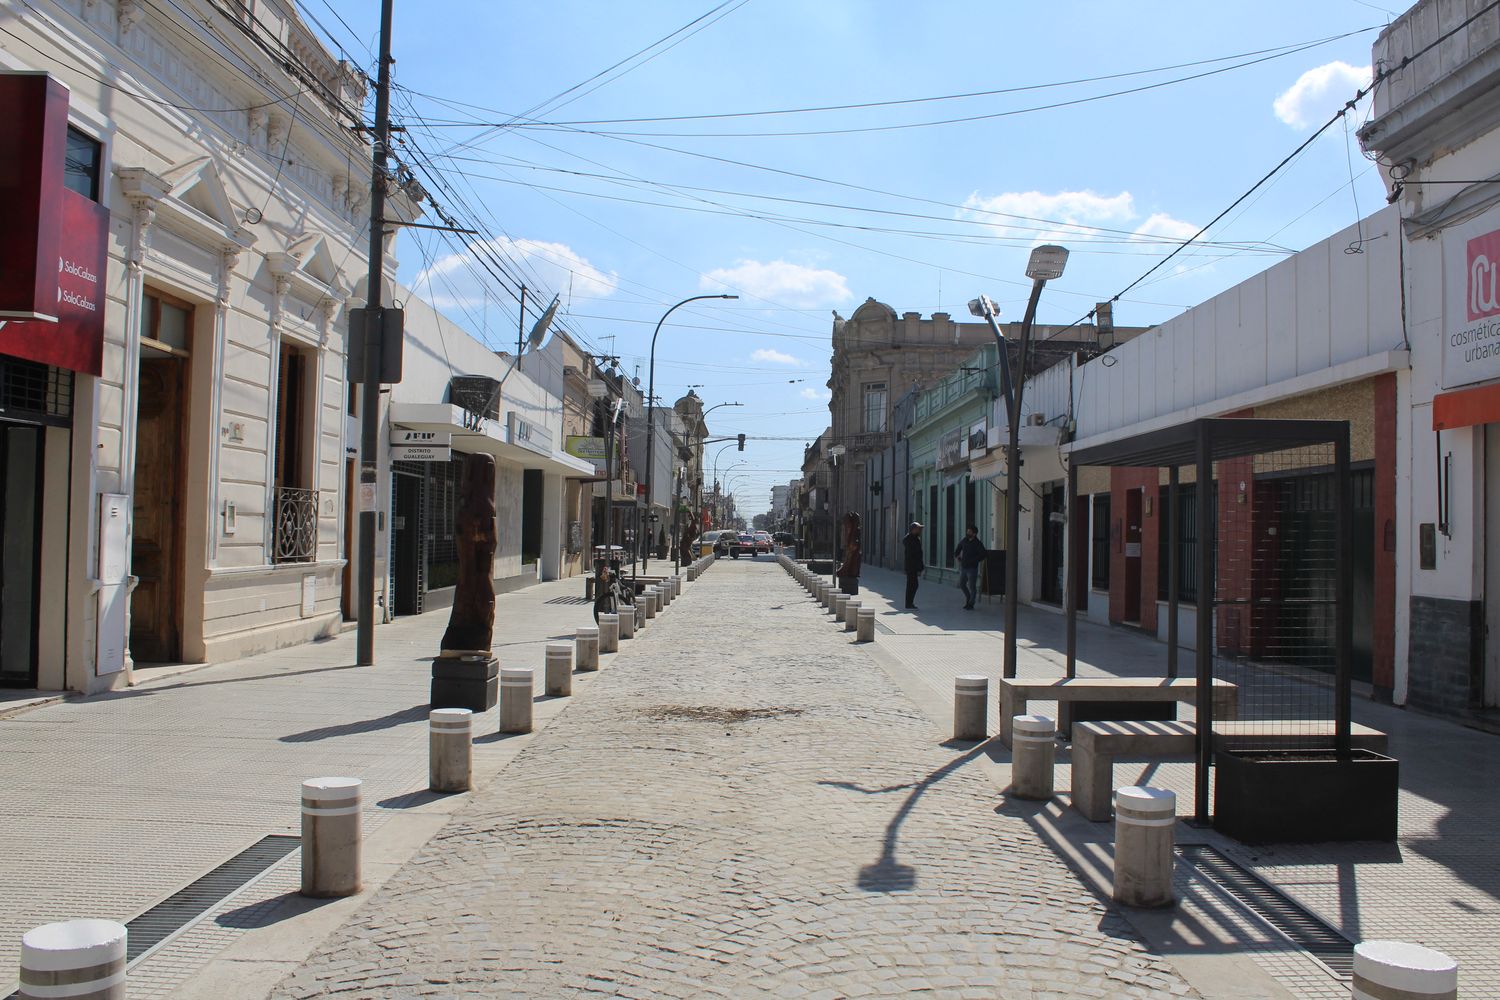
pixel 516 686
pixel 971 695
pixel 649 598
pixel 80 959
pixel 450 750
pixel 840 601
pixel 1145 825
pixel 587 643
pixel 640 612
pixel 609 633
pixel 331 837
pixel 558 673
pixel 1034 751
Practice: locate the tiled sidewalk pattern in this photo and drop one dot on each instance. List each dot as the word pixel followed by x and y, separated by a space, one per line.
pixel 762 813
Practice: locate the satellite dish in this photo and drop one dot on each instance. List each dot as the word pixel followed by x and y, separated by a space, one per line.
pixel 539 332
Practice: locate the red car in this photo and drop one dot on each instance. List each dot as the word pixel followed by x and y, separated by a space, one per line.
pixel 763 542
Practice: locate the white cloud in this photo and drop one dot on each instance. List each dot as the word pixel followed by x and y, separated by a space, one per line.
pixel 1319 92
pixel 783 282
pixel 1051 218
pixel 822 395
pixel 775 357
pixel 455 280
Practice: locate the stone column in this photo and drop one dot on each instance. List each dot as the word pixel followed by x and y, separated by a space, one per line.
pixel 1034 751
pixel 970 699
pixel 450 750
pixel 609 633
pixel 79 959
pixel 559 669
pixel 1145 824
pixel 331 837
pixel 516 686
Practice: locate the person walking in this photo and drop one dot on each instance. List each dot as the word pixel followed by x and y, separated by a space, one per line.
pixel 912 545
pixel 969 553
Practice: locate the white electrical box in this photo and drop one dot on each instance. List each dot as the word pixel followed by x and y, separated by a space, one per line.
pixel 114 536
pixel 114 594
pixel 309 595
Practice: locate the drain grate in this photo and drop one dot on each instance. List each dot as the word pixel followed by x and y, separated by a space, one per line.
pixel 198 897
pixel 569 600
pixel 1296 923
pixel 884 627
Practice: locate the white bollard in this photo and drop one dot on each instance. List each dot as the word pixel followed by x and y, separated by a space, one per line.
pixel 331 837
pixel 1395 969
pixel 640 612
pixel 78 959
pixel 516 686
pixel 651 598
pixel 664 593
pixel 971 693
pixel 866 630
pixel 450 750
pixel 609 633
pixel 851 615
pixel 1034 751
pixel 627 621
pixel 559 670
pixel 840 601
pixel 1145 825
pixel 587 641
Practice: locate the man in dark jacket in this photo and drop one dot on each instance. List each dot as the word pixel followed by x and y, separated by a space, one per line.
pixel 912 545
pixel 970 553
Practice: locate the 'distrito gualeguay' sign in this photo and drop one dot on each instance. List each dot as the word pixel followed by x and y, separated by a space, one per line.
pixel 1471 279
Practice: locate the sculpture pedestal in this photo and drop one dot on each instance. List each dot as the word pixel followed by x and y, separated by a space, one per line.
pixel 467 680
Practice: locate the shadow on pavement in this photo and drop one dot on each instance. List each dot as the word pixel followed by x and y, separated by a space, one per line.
pixel 270 911
pixel 413 714
pixel 411 800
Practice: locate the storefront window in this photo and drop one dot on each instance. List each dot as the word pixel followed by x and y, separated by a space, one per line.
pixel 81 164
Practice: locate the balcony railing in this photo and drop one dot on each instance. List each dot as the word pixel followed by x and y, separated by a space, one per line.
pixel 296 527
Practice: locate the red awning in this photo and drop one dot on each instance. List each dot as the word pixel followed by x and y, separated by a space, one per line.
pixel 1466 408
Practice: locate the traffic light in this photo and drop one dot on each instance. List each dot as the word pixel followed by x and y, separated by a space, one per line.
pixel 742 442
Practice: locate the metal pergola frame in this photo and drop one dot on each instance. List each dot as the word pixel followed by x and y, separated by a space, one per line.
pixel 1201 443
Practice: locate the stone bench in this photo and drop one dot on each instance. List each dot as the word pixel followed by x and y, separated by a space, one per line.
pixel 1015 693
pixel 1097 744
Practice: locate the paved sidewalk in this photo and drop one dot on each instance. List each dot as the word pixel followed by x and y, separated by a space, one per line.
pixel 1439 885
pixel 743 805
pixel 114 802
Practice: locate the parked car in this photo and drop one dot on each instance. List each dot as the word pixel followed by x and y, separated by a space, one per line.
pixel 786 540
pixel 716 542
pixel 743 542
pixel 762 542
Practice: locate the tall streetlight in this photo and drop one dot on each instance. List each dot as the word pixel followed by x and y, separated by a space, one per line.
pixel 651 409
pixel 1046 263
pixel 698 499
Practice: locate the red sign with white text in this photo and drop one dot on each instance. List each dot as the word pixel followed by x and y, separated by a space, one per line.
pixel 34 136
pixel 76 340
pixel 1484 267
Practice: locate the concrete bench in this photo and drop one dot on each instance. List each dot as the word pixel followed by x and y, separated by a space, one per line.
pixel 1016 692
pixel 1097 744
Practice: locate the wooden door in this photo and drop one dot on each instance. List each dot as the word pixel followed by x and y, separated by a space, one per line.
pixel 156 547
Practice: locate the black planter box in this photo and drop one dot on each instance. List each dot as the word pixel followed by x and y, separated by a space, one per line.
pixel 1305 796
pixel 465 682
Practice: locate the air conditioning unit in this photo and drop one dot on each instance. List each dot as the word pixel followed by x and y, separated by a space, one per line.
pixel 1036 419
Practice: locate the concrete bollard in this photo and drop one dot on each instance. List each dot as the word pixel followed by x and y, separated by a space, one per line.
pixel 609 633
pixel 650 598
pixel 516 686
pixel 627 621
pixel 587 642
pixel 1034 750
pixel 640 612
pixel 450 750
pixel 851 615
pixel 1145 825
pixel 1395 969
pixel 331 837
pixel 559 670
pixel 866 630
pixel 663 593
pixel 78 959
pixel 971 694
pixel 840 601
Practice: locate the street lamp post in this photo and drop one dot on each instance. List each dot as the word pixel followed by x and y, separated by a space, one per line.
pixel 1046 263
pixel 651 409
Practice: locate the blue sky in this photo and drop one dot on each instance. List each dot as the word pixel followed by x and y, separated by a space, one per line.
pixel 587 191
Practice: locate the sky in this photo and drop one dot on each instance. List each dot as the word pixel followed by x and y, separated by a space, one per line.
pixel 627 157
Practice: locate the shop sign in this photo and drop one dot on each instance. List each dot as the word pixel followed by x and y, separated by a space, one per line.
pixel 55 248
pixel 421 453
pixel 1471 335
pixel 979 437
pixel 588 448
pixel 406 438
pixel 525 434
pixel 953 448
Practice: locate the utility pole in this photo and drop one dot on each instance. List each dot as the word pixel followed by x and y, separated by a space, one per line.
pixel 369 461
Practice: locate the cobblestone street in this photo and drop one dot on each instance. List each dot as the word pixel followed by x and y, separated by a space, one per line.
pixel 743 804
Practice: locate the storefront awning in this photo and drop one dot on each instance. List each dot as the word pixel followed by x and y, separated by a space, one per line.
pixel 1466 408
pixel 490 439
